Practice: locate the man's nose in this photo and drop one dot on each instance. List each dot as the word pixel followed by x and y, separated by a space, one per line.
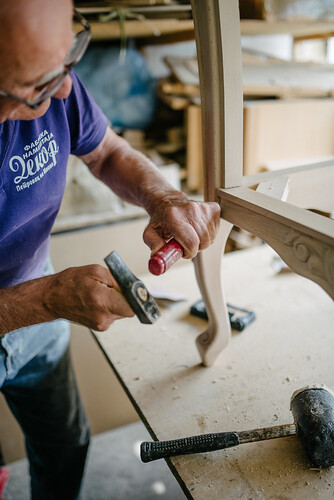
pixel 65 90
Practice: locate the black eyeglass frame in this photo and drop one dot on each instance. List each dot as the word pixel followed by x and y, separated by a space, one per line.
pixel 56 83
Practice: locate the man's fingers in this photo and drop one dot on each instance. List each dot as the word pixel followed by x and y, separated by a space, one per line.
pixel 88 295
pixel 194 225
pixel 118 305
pixel 188 238
pixel 152 239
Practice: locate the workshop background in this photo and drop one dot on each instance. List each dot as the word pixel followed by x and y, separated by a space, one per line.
pixel 141 68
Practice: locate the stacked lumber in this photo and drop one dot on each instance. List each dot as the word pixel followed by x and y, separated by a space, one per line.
pixel 262 77
pixel 288 112
pixel 287 10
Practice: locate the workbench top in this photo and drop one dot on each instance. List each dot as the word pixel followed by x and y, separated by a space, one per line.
pixel 289 346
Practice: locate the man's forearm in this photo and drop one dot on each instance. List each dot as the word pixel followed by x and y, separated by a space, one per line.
pixel 138 180
pixel 22 305
pixel 87 295
pixel 131 175
pixel 135 179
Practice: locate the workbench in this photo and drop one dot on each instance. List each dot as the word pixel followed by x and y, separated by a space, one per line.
pixel 290 345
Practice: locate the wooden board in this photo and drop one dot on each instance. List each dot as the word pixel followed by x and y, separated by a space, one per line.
pixel 138 29
pixel 111 30
pixel 287 79
pixel 287 130
pixel 264 76
pixel 293 28
pixel 293 132
pixel 286 10
pixel 290 345
pixel 194 157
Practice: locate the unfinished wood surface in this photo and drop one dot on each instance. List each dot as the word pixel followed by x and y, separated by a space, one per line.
pixel 170 86
pixel 208 268
pixel 264 76
pixel 286 130
pixel 218 41
pixel 194 158
pixel 136 29
pixel 294 28
pixel 249 386
pixel 111 30
pixel 287 80
pixel 308 186
pixel 303 239
pixel 277 188
pixel 313 171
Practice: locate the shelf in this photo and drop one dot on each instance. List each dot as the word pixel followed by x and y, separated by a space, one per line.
pixel 149 28
pixel 141 29
pixel 295 28
pixel 175 18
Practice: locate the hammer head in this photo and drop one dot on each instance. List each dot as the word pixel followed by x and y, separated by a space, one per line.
pixel 313 412
pixel 133 289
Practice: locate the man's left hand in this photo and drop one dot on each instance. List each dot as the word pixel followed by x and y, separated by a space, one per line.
pixel 192 224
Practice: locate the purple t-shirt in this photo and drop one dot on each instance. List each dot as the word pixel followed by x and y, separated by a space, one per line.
pixel 33 163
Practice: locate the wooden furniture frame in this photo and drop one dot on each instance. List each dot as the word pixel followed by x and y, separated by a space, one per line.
pixel 272 206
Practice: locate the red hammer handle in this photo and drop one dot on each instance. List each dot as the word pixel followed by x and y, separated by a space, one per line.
pixel 164 258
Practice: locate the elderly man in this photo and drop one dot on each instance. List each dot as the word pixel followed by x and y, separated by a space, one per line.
pixel 46 114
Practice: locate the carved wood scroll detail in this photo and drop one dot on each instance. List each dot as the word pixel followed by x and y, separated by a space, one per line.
pixel 317 257
pixel 309 256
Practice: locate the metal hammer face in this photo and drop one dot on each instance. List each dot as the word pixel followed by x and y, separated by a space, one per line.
pixel 133 289
pixel 313 412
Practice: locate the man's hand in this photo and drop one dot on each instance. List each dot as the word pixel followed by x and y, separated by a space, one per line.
pixel 135 179
pixel 194 225
pixel 87 295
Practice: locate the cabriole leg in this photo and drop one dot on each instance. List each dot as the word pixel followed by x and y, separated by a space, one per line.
pixel 208 270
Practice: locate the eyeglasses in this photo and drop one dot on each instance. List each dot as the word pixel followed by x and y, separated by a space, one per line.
pixel 52 84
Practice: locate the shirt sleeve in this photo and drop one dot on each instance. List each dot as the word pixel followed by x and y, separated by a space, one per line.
pixel 87 122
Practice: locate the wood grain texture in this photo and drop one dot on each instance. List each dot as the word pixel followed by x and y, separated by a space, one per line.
pixel 208 268
pixel 138 29
pixel 249 385
pixel 111 30
pixel 194 160
pixel 293 130
pixel 217 32
pixel 304 240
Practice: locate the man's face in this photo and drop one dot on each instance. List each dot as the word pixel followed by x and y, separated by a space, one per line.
pixel 33 44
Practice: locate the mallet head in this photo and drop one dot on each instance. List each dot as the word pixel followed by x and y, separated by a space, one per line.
pixel 313 412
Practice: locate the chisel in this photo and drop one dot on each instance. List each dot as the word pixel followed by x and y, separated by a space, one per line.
pixel 164 258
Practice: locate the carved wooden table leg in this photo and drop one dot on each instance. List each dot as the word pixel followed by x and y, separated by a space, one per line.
pixel 218 40
pixel 209 277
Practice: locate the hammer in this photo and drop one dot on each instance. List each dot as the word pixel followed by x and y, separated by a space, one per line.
pixel 313 411
pixel 133 289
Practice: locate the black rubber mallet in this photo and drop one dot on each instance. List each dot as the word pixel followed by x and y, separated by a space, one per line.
pixel 313 411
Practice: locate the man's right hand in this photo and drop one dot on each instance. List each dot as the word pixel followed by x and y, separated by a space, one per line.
pixel 88 295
